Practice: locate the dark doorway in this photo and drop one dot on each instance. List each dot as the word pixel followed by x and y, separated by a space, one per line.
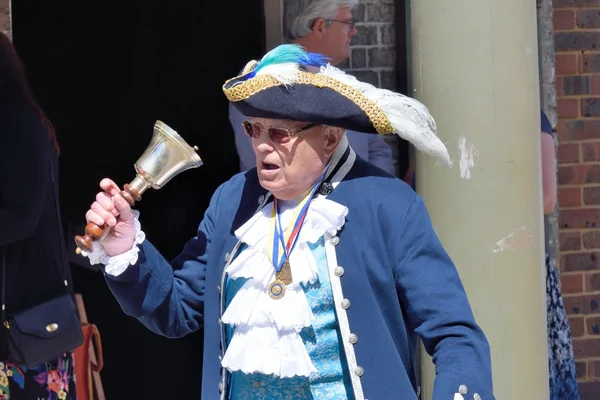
pixel 402 24
pixel 104 72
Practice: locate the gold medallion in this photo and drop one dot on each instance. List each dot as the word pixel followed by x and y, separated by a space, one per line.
pixel 285 273
pixel 276 290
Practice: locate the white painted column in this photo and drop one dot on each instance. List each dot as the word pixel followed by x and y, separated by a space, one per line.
pixel 475 65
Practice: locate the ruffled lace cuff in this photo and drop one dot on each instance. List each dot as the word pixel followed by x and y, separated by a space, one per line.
pixel 116 265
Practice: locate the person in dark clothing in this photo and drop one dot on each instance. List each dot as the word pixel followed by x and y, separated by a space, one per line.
pixel 31 240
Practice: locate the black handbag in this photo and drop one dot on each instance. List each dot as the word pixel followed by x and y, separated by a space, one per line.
pixel 45 331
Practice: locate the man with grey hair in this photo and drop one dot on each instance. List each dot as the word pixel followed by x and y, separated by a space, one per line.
pixel 320 26
pixel 325 27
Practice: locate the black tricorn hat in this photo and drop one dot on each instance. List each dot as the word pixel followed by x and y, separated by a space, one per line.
pixel 292 84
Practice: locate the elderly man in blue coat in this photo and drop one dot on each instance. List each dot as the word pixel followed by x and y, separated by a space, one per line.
pixel 314 273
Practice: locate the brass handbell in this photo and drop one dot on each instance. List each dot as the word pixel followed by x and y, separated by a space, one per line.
pixel 166 156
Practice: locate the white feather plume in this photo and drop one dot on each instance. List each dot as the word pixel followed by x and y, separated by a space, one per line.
pixel 409 118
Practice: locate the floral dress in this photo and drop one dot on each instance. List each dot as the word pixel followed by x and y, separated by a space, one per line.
pixel 54 380
pixel 561 364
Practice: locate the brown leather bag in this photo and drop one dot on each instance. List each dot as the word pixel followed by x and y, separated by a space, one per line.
pixel 83 364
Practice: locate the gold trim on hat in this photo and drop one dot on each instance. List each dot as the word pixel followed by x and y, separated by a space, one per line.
pixel 249 67
pixel 246 89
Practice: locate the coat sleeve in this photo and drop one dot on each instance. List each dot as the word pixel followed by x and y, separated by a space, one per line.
pixel 431 291
pixel 168 298
pixel 380 154
pixel 24 172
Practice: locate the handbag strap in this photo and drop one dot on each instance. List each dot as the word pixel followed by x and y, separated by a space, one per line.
pixel 97 343
pixel 62 250
pixel 3 286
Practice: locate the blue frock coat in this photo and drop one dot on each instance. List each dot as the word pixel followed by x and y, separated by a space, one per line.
pixel 396 282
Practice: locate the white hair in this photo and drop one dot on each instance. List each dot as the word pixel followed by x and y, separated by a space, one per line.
pixel 300 15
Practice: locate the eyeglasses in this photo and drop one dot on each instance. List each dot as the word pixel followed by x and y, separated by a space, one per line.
pixel 351 24
pixel 277 135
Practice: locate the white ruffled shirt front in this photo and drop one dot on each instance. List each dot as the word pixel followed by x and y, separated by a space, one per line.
pixel 267 331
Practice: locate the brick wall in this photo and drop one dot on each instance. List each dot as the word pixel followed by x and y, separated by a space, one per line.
pixel 577 44
pixel 5 16
pixel 373 55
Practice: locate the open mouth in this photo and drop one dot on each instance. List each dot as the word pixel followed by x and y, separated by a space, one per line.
pixel 268 166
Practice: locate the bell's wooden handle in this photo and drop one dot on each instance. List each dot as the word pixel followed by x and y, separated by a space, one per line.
pixel 94 232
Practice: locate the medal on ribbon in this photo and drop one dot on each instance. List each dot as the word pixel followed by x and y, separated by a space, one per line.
pixel 283 269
